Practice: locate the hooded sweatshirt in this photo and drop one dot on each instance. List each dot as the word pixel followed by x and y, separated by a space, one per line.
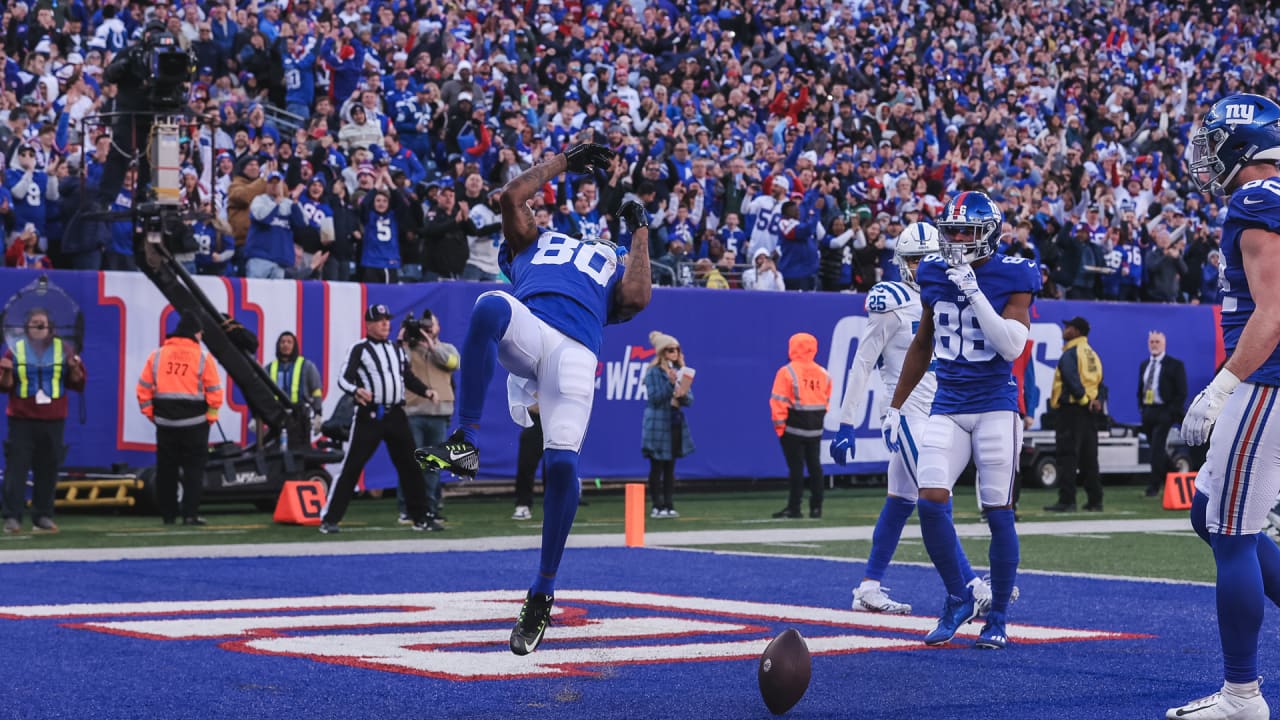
pixel 801 391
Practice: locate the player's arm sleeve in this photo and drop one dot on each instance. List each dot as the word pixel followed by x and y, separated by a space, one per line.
pixel 880 327
pixel 1005 335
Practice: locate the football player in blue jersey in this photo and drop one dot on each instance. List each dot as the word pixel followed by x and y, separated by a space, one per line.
pixel 893 312
pixel 1234 152
pixel 974 320
pixel 546 332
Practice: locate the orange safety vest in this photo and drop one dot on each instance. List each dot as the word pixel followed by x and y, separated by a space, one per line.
pixel 801 391
pixel 180 385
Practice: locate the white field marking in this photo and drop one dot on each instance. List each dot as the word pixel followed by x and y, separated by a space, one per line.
pixel 1088 536
pixel 164 533
pixel 811 532
pixel 1177 533
pixel 1021 571
pixel 454 641
pixel 791 544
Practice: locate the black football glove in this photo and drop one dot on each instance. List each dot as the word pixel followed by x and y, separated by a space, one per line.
pixel 585 157
pixel 635 215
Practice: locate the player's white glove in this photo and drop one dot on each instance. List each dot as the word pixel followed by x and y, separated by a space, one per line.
pixel 889 428
pixel 964 278
pixel 1204 410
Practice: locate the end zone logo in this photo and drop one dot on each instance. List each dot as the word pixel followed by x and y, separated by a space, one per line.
pixel 463 635
pixel 625 380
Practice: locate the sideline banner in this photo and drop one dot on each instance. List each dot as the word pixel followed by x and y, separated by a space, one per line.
pixel 736 339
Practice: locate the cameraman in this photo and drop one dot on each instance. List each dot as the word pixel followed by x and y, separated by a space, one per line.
pixel 139 95
pixel 435 361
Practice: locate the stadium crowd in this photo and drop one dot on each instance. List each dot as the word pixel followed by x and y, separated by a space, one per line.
pixel 776 144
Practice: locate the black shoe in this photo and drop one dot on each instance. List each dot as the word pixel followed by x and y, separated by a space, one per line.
pixel 328 528
pixel 787 513
pixel 1060 507
pixel 535 616
pixel 1093 507
pixel 441 518
pixel 815 513
pixel 170 521
pixel 194 521
pixel 455 455
pixel 1151 492
pixel 427 525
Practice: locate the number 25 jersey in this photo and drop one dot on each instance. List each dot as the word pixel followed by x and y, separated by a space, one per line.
pixel 972 377
pixel 568 284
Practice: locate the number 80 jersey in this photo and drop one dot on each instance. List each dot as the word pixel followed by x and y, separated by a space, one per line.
pixel 972 377
pixel 568 284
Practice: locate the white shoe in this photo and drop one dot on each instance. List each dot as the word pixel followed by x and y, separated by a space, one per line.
pixel 404 519
pixel 1223 705
pixel 656 513
pixel 671 513
pixel 877 600
pixel 982 594
pixel 522 513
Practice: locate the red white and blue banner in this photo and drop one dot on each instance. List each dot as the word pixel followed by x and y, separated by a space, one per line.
pixel 736 340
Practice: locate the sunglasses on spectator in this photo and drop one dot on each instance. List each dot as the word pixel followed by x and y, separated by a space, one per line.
pixel 37 326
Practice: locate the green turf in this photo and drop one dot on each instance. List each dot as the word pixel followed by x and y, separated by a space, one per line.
pixel 474 514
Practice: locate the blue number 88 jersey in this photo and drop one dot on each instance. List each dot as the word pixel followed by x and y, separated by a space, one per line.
pixel 567 283
pixel 972 377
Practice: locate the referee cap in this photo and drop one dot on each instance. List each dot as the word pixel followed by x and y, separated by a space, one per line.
pixel 377 311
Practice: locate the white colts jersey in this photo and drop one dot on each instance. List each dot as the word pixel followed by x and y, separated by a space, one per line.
pixel 893 315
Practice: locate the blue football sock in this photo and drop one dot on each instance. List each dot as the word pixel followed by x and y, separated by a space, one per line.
pixel 559 506
pixel 1268 552
pixel 884 541
pixel 1239 604
pixel 489 320
pixel 1003 555
pixel 940 540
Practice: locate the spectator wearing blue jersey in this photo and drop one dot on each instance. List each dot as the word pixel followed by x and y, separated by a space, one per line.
pixel 269 249
pixel 31 189
pixel 798 247
pixel 299 75
pixel 404 160
pixel 119 250
pixel 1210 290
pixel 381 212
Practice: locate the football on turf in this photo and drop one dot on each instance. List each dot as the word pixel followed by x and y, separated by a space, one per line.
pixel 784 671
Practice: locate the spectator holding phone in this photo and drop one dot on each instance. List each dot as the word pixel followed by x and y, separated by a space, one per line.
pixel 665 437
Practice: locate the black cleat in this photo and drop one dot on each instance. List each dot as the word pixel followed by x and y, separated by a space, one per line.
pixel 788 513
pixel 455 455
pixel 535 616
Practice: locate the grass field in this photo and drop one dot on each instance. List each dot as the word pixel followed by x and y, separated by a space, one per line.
pixel 1176 555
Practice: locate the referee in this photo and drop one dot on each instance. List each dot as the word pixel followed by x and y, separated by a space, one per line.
pixel 376 373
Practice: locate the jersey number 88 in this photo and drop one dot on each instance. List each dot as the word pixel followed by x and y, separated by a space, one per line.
pixel 957 335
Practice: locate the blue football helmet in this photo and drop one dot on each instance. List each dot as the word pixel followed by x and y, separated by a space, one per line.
pixel 1237 130
pixel 916 241
pixel 969 228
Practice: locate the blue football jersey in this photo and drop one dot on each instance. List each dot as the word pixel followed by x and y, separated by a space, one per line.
pixel 568 284
pixel 1255 205
pixel 972 377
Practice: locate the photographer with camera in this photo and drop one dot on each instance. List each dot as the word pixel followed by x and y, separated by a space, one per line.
pixel 151 78
pixel 435 361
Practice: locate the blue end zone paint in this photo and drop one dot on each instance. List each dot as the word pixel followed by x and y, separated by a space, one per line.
pixel 59 671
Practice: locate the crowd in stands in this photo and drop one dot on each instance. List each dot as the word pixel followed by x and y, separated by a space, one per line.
pixel 776 144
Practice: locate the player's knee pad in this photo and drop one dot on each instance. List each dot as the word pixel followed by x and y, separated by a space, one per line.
pixel 492 314
pixel 1199 512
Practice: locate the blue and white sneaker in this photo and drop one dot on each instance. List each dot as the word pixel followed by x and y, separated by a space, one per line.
pixel 993 636
pixel 955 612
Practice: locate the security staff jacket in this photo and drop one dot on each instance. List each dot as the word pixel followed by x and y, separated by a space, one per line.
pixel 1078 376
pixel 801 391
pixel 180 385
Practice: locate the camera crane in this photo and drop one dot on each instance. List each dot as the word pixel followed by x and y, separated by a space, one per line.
pixel 255 473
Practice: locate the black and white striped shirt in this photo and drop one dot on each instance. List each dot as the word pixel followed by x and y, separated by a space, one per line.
pixel 382 368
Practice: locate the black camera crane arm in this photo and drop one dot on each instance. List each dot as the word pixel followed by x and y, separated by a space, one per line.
pixel 265 399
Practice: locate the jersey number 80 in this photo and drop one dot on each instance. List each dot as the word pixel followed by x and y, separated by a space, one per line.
pixel 591 258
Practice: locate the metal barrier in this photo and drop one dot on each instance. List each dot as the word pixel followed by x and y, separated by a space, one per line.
pixel 283 119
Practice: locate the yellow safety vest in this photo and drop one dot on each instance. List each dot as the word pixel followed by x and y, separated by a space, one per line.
pixel 20 360
pixel 274 369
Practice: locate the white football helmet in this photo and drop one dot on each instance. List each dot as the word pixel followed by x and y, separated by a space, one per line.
pixel 916 241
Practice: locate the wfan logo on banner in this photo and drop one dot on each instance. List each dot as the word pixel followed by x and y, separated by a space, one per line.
pixel 624 379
